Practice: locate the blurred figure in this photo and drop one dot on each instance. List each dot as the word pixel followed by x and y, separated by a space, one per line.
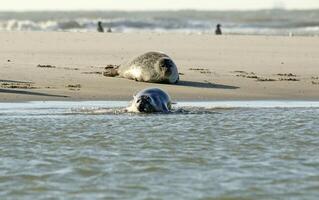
pixel 218 30
pixel 109 30
pixel 100 27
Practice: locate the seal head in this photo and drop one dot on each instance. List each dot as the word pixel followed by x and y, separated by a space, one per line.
pixel 145 104
pixel 150 101
pixel 167 70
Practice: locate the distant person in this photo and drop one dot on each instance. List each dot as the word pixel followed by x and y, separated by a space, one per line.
pixel 109 30
pixel 100 27
pixel 218 30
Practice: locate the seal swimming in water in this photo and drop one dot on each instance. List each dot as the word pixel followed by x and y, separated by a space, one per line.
pixel 155 67
pixel 150 100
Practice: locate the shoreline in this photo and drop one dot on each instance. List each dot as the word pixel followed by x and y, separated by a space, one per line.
pixel 228 67
pixel 26 100
pixel 101 105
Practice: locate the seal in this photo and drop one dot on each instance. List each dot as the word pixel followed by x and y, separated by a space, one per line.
pixel 218 30
pixel 150 100
pixel 154 67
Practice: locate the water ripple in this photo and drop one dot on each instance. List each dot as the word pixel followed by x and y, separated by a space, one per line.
pixel 192 153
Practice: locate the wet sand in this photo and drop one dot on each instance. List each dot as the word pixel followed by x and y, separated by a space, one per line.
pixel 69 66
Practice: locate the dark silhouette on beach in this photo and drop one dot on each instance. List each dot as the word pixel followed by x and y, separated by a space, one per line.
pixel 109 30
pixel 100 27
pixel 218 30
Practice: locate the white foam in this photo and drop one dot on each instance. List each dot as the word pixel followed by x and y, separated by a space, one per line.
pixel 162 24
pixel 114 104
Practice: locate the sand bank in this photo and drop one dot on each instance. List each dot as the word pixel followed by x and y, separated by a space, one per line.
pixel 69 66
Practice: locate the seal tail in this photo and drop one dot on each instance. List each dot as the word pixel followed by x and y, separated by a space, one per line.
pixel 111 70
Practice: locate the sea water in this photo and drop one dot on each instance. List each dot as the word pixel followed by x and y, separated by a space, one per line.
pixel 202 150
pixel 259 22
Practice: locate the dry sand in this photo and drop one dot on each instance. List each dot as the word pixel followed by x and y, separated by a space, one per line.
pixel 211 67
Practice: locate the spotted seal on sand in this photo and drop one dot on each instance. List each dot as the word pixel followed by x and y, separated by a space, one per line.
pixel 155 67
pixel 150 100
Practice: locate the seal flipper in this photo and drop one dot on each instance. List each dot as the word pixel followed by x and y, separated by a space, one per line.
pixel 177 80
pixel 165 108
pixel 111 70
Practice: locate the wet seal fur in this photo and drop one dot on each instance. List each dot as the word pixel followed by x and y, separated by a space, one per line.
pixel 154 67
pixel 151 100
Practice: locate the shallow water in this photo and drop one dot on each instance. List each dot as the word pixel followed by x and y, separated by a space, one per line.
pixel 202 150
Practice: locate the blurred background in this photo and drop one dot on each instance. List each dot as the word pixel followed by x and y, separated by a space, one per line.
pixel 251 17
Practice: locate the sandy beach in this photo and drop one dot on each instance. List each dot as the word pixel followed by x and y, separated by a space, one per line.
pixel 68 66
